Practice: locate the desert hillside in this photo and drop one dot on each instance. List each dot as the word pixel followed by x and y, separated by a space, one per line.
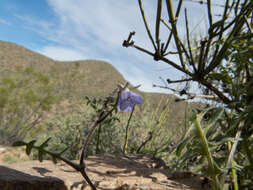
pixel 78 79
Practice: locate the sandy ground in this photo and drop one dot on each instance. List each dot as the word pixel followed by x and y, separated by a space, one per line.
pixel 136 172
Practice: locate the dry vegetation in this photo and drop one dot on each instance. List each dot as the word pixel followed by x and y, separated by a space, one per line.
pixel 75 80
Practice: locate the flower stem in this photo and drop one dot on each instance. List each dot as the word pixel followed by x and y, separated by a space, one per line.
pixel 127 130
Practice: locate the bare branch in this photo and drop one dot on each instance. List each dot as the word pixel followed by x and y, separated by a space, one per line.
pixel 146 24
pixel 170 36
pixel 178 81
pixel 224 99
pixel 166 24
pixel 209 10
pixel 128 42
pixel 174 28
pixel 201 57
pixel 184 70
pixel 188 41
pixel 144 50
pixel 190 96
pixel 237 7
pixel 248 24
pixel 157 31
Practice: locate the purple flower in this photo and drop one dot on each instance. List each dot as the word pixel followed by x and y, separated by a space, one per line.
pixel 86 132
pixel 127 100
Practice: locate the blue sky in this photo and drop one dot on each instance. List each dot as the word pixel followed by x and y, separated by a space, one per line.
pixel 78 29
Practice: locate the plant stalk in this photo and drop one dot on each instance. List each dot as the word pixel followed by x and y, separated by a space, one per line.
pixel 127 130
pixel 216 184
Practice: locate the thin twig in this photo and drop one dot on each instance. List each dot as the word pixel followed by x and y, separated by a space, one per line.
pixel 145 142
pixel 201 57
pixel 248 24
pixel 188 41
pixel 225 16
pixel 157 31
pixel 170 36
pixel 224 99
pixel 144 50
pixel 209 10
pixel 174 28
pixel 178 81
pixel 190 95
pixel 236 7
pixel 166 24
pixel 129 42
pixel 146 24
pixel 173 64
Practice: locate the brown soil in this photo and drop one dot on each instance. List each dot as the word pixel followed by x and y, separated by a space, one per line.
pixel 110 172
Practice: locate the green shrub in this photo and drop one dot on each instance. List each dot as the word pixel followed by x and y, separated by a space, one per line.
pixel 25 97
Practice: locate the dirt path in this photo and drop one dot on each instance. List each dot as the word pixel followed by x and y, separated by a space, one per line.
pixel 135 172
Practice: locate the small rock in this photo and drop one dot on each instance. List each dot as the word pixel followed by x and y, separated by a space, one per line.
pixel 2 150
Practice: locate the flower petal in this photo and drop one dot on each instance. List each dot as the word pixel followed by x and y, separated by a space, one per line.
pixel 136 98
pixel 124 94
pixel 127 100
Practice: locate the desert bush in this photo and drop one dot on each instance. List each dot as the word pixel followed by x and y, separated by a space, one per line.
pixel 26 95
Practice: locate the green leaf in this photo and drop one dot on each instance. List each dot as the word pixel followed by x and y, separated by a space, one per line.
pixel 236 46
pixel 201 114
pixel 215 116
pixel 19 143
pixel 181 146
pixel 60 153
pixel 189 135
pixel 217 169
pixel 40 155
pixel 29 147
pixel 44 144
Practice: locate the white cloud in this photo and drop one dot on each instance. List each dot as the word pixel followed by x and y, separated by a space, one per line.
pixel 3 21
pixel 96 29
pixel 61 54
